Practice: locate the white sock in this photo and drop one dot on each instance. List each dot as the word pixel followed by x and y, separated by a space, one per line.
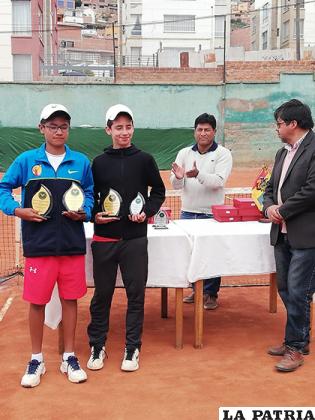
pixel 66 355
pixel 38 356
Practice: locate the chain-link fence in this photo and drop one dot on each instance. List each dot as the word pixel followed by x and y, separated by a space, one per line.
pixel 12 261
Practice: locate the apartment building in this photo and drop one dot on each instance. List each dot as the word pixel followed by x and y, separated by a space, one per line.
pixel 172 27
pixel 30 34
pixel 273 25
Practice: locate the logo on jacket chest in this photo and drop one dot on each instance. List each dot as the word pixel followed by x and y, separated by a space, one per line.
pixel 37 170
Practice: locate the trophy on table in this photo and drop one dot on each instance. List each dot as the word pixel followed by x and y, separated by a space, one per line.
pixel 137 204
pixel 161 220
pixel 42 201
pixel 73 198
pixel 112 203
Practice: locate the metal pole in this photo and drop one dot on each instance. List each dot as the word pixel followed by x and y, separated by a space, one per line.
pixel 224 50
pixel 298 30
pixel 114 50
pixel 224 84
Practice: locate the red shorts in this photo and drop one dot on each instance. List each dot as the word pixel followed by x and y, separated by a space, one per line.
pixel 41 274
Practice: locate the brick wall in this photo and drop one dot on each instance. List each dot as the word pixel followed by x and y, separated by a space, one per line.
pixel 236 71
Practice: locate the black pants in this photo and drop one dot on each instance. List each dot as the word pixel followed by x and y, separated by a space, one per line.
pixel 132 257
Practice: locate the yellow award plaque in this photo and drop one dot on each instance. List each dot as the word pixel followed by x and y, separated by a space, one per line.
pixel 42 201
pixel 112 203
pixel 73 198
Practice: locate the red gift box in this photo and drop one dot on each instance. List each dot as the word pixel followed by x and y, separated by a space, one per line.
pixel 225 213
pixel 247 203
pixel 247 208
pixel 224 210
pixel 226 218
pixel 252 212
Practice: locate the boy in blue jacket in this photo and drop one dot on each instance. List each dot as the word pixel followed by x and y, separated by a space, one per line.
pixel 53 178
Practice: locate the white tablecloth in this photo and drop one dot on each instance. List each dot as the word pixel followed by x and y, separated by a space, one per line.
pixel 169 256
pixel 228 249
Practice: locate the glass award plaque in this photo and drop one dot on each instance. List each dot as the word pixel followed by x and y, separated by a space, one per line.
pixel 161 220
pixel 112 203
pixel 137 204
pixel 42 201
pixel 73 198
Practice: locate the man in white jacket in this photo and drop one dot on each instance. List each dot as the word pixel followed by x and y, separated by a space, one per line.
pixel 200 172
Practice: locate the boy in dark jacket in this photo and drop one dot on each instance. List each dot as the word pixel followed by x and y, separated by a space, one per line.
pixel 122 174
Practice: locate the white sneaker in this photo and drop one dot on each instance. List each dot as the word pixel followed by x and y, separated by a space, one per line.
pixel 72 368
pixel 96 360
pixel 34 371
pixel 130 361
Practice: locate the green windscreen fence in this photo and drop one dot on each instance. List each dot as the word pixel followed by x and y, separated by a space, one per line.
pixel 162 144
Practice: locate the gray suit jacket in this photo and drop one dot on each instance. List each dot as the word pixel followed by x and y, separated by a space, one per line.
pixel 297 193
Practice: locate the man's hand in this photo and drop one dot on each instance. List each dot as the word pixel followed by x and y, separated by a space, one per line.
pixel 137 218
pixel 101 218
pixel 75 215
pixel 193 172
pixel 274 215
pixel 178 171
pixel 29 214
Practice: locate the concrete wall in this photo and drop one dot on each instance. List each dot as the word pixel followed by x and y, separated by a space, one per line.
pixel 245 110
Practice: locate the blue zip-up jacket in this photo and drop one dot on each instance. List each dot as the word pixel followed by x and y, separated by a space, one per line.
pixel 58 235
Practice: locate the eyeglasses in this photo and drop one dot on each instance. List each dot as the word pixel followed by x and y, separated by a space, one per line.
pixel 278 124
pixel 55 128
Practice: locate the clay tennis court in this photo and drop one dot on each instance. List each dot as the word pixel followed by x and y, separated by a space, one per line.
pixel 232 369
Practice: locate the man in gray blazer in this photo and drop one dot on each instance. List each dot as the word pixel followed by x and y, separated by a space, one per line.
pixel 289 202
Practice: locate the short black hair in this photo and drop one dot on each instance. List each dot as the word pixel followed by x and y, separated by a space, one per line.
pixel 125 114
pixel 206 119
pixel 56 115
pixel 295 110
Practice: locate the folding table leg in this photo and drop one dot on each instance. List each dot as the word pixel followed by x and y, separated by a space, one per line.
pixel 179 315
pixel 198 314
pixel 164 302
pixel 273 291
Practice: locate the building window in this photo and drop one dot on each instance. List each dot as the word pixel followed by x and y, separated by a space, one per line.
pixel 179 23
pixel 265 12
pixel 60 3
pixel 40 24
pixel 22 67
pixel 285 5
pixel 136 21
pixel 21 18
pixel 254 24
pixel 67 44
pixel 285 31
pixel 70 4
pixel 264 40
pixel 301 28
pixel 219 26
pixel 135 56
